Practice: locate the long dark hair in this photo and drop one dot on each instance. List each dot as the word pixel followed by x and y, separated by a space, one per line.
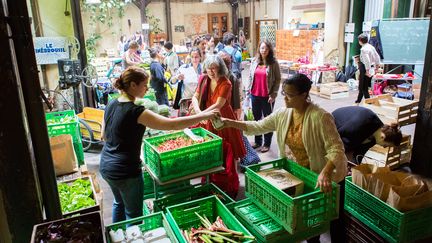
pixel 270 57
pixel 392 133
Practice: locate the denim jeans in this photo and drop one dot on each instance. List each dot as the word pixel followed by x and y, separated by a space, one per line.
pixel 128 198
pixel 261 108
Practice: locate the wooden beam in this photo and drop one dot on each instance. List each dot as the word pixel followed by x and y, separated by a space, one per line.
pixel 234 7
pixel 168 18
pixel 421 162
pixel 145 32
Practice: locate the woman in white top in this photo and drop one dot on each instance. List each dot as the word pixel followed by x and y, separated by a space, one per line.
pixel 188 75
pixel 310 133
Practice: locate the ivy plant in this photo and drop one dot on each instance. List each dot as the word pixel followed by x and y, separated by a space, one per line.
pixel 103 13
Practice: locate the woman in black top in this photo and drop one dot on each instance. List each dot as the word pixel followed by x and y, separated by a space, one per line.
pixel 360 129
pixel 123 130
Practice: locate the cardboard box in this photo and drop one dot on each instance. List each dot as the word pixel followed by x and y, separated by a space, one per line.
pixel 283 180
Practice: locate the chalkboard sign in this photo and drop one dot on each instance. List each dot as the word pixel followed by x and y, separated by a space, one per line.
pixel 404 41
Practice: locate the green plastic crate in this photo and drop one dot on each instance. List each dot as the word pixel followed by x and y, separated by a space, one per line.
pixel 295 214
pixel 148 222
pixel 387 221
pixel 183 161
pixel 191 193
pixel 266 229
pixel 162 190
pixel 72 128
pixel 113 96
pixel 183 217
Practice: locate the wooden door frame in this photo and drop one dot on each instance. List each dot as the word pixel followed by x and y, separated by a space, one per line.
pixel 210 21
pixel 256 30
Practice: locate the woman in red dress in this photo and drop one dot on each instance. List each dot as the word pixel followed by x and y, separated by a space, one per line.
pixel 214 92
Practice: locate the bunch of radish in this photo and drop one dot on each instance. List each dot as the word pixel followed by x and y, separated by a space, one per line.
pixel 176 143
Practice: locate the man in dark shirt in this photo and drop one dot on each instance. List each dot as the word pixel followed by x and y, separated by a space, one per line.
pixel 158 81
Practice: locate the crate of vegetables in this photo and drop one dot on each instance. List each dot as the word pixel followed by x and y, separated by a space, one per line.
pixel 83 228
pixel 175 155
pixel 295 213
pixel 77 196
pixel 206 220
pixel 266 229
pixel 66 122
pixel 191 193
pixel 150 228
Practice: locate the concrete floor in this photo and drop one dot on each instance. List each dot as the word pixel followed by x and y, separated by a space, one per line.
pixel 92 157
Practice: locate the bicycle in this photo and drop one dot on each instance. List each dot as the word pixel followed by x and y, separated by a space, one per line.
pixel 88 137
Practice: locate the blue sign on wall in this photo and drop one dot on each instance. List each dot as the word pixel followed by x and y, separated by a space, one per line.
pixel 49 49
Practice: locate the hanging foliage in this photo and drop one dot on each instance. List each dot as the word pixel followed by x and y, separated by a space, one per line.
pixel 103 13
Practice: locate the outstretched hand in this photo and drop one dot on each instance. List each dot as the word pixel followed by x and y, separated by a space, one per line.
pixel 208 115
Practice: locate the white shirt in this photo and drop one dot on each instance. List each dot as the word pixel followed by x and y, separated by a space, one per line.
pixel 369 56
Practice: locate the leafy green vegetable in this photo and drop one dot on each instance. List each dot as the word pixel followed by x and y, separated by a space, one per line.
pixel 63 120
pixel 76 195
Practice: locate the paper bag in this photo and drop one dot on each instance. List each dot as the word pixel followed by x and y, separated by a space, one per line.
pixel 63 154
pixel 361 174
pixel 381 182
pixel 414 193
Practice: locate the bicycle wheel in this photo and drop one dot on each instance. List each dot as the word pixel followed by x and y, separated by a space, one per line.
pixel 88 138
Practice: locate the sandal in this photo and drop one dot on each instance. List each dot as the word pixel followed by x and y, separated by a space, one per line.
pixel 255 146
pixel 265 149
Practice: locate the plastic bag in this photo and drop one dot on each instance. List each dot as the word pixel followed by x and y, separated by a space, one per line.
pixel 247 109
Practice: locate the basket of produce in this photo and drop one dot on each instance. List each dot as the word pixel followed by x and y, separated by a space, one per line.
pixel 266 229
pixel 77 196
pixel 206 220
pixel 82 228
pixel 175 155
pixel 150 228
pixel 390 223
pixel 190 194
pixel 286 192
pixel 66 122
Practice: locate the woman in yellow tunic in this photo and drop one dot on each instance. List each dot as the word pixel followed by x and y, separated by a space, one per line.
pixel 310 133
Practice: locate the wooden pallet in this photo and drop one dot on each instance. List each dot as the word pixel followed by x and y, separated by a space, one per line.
pixel 392 157
pixel 334 90
pixel 393 110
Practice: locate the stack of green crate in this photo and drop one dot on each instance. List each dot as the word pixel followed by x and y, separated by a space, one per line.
pixel 162 190
pixel 305 215
pixel 192 193
pixel 66 122
pixel 265 229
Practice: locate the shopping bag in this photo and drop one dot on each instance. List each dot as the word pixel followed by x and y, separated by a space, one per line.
pixel 251 156
pixel 414 193
pixel 63 154
pixel 247 109
pixel 362 173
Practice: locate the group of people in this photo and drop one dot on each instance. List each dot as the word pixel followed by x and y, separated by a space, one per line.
pixel 305 132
